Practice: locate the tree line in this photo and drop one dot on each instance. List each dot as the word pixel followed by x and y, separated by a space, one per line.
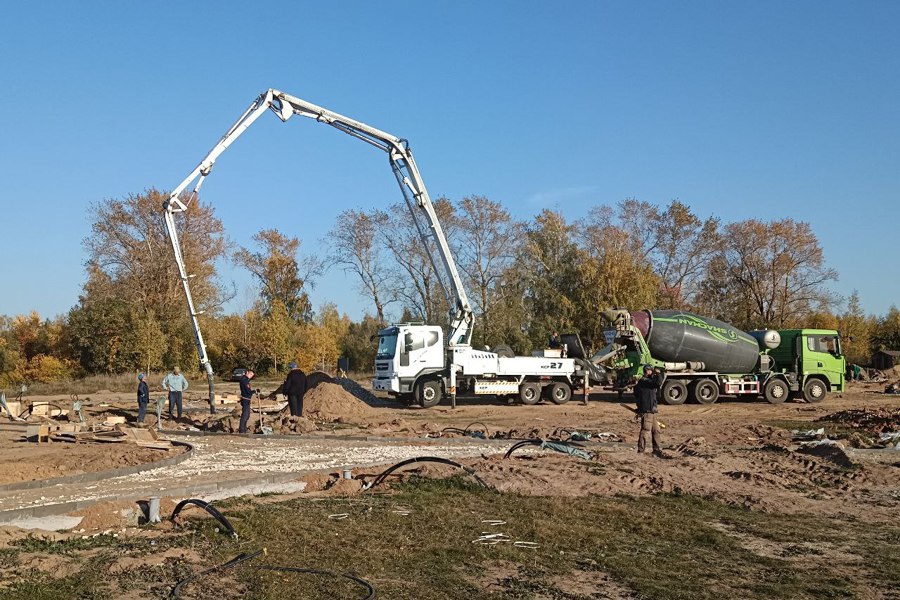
pixel 525 278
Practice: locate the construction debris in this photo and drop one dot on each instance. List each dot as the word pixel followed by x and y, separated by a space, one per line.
pixel 872 420
pixel 119 433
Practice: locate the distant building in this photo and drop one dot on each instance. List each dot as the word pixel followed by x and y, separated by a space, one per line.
pixel 885 359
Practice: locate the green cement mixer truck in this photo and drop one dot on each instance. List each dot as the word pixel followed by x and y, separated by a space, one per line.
pixel 705 358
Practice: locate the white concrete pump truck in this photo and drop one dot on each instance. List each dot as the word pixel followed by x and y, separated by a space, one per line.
pixel 414 362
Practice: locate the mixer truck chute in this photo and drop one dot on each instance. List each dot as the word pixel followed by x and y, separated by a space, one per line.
pixel 706 358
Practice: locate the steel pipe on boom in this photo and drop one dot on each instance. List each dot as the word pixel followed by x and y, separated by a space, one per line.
pixel 408 178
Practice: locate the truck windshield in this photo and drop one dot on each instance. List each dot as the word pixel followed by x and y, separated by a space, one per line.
pixel 387 344
pixel 827 344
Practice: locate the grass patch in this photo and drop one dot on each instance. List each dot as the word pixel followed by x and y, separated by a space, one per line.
pixel 67 546
pixel 658 547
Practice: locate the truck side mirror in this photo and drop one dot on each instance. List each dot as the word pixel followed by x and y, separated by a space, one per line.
pixel 407 342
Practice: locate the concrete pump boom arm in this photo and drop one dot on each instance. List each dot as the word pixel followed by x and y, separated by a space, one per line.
pixel 403 166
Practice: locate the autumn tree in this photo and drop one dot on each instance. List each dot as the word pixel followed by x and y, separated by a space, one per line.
pixel 413 277
pixel 133 283
pixel 356 246
pixel 357 344
pixel 282 277
pixel 857 330
pixel 887 331
pixel 549 266
pixel 677 243
pixel 319 343
pixel 768 274
pixel 277 334
pixel 609 275
pixel 487 243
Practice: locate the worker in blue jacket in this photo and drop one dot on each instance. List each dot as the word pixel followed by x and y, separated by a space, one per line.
pixel 246 397
pixel 143 397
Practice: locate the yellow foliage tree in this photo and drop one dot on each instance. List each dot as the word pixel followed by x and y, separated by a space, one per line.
pixel 46 369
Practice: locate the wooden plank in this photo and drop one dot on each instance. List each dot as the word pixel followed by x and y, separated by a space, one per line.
pixel 157 445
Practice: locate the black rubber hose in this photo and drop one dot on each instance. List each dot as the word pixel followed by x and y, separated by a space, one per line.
pixel 176 591
pixel 518 445
pixel 50 405
pixel 453 430
pixel 208 508
pixel 380 479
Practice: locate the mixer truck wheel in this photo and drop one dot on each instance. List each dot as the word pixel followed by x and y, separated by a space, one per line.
pixel 560 392
pixel 674 392
pixel 530 392
pixel 776 391
pixel 704 391
pixel 814 390
pixel 428 393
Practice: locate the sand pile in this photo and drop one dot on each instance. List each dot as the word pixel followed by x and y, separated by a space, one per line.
pixel 833 452
pixel 331 403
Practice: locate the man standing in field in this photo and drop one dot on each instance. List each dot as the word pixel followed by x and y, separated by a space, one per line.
pixel 646 393
pixel 246 397
pixel 143 398
pixel 175 384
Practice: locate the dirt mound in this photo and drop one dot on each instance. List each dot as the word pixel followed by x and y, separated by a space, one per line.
pixel 294 425
pixel 872 420
pixel 831 452
pixel 332 403
pixel 115 515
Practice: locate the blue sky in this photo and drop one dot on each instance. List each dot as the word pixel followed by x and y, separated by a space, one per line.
pixel 741 110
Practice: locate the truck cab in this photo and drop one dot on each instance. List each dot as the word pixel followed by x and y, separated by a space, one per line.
pixel 406 351
pixel 815 356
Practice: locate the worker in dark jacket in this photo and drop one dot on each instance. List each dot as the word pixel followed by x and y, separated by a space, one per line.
pixel 554 342
pixel 246 397
pixel 646 393
pixel 294 387
pixel 143 397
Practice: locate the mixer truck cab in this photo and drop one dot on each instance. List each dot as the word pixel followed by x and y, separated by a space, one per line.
pixel 811 361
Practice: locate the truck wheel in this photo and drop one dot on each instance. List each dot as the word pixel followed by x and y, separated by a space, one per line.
pixel 428 393
pixel 674 392
pixel 776 391
pixel 704 391
pixel 814 390
pixel 560 392
pixel 530 392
